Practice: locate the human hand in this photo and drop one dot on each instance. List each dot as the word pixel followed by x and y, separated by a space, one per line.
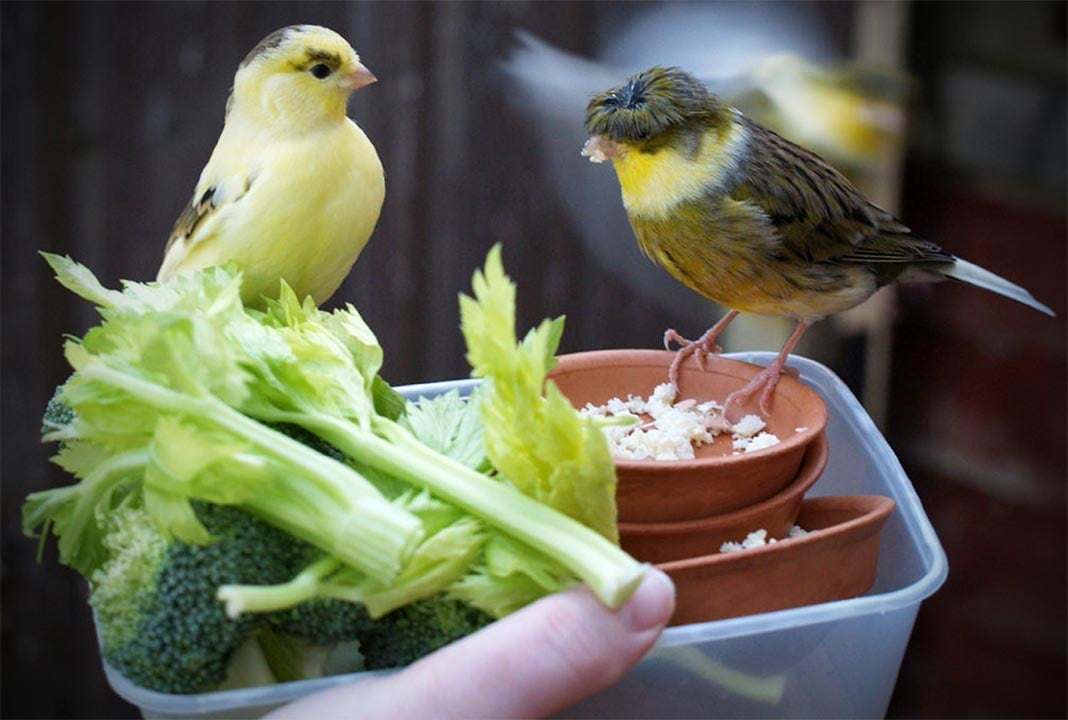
pixel 532 663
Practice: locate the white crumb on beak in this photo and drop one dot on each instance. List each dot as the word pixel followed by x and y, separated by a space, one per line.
pixel 593 150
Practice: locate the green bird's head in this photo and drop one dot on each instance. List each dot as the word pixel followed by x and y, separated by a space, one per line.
pixel 651 109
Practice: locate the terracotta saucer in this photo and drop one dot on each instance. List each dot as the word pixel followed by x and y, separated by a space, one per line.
pixel 660 542
pixel 834 561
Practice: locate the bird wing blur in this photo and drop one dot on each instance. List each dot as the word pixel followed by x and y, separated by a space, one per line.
pixel 293 188
pixel 748 219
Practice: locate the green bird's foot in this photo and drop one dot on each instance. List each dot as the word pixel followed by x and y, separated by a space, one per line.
pixel 764 382
pixel 700 349
pixel 736 405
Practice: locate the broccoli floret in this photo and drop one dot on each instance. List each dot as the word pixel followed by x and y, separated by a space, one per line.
pixel 417 629
pixel 323 620
pixel 324 636
pixel 160 622
pixel 58 414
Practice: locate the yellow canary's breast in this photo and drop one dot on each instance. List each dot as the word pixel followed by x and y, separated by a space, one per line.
pixel 342 212
pixel 304 210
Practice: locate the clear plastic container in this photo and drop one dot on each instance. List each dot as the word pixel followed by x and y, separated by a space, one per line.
pixel 836 659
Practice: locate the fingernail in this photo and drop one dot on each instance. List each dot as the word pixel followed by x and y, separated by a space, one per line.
pixel 652 603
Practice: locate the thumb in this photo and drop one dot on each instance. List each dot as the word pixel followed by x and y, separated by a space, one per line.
pixel 531 663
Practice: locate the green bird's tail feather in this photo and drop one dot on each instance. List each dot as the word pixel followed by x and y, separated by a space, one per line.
pixel 974 275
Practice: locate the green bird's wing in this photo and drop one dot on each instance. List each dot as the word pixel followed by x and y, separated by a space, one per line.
pixel 818 214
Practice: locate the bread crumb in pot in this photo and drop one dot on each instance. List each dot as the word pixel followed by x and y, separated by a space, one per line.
pixel 758 538
pixel 662 429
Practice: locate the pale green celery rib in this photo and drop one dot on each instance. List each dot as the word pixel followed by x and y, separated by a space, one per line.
pixel 611 573
pixel 380 535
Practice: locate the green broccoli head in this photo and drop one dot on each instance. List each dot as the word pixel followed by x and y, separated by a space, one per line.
pixel 410 632
pixel 58 416
pixel 160 623
pixel 326 636
pixel 323 620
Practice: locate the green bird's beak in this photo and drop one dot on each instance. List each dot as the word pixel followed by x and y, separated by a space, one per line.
pixel 599 148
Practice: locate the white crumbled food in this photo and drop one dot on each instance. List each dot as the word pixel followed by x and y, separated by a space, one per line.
pixel 749 426
pixel 749 435
pixel 758 538
pixel 757 442
pixel 662 429
pixel 593 151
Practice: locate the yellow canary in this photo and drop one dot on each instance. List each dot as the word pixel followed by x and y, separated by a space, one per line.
pixel 750 220
pixel 294 187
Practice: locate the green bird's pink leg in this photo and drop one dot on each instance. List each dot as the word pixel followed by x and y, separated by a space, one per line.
pixel 765 381
pixel 706 344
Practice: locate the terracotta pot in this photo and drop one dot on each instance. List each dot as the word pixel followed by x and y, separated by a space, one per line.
pixel 834 561
pixel 661 542
pixel 716 481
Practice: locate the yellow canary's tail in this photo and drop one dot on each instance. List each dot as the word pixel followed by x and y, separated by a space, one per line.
pixel 974 275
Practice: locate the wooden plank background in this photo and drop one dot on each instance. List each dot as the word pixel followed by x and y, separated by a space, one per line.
pixel 110 111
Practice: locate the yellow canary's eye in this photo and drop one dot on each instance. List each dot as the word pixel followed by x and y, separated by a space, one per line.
pixel 321 70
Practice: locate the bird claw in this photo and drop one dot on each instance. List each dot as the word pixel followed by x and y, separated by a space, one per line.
pixel 700 349
pixel 764 383
pixel 672 336
pixel 676 362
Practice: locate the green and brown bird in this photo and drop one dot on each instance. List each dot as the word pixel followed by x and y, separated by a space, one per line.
pixel 750 220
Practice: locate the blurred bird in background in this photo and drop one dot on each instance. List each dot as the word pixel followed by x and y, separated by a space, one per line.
pixel 750 220
pixel 851 114
pixel 294 187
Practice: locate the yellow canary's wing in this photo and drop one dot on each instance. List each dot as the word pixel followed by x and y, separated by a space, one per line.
pixel 224 182
pixel 197 209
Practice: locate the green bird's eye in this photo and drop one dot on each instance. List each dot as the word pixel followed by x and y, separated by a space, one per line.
pixel 321 71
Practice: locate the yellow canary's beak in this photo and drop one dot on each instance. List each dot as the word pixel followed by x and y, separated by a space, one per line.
pixel 598 148
pixel 357 78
